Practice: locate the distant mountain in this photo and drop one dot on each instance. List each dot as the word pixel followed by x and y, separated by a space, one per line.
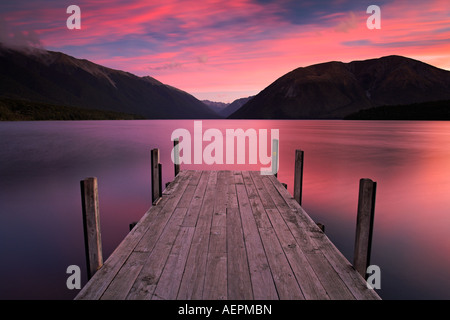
pixel 217 107
pixel 234 106
pixel 334 90
pixel 58 79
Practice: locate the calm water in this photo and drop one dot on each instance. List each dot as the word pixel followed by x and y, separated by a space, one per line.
pixel 42 163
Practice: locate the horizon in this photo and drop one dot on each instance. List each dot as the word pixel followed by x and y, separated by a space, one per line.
pixel 225 51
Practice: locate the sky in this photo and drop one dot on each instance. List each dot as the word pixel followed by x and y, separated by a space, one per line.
pixel 224 50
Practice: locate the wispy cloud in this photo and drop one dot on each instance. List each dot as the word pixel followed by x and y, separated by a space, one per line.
pixel 349 22
pixel 167 66
pixel 11 36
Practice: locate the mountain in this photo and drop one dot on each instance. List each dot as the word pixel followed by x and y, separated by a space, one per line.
pixel 234 106
pixel 333 90
pixel 55 78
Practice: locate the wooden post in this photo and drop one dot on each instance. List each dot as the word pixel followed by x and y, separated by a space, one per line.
pixel 160 179
pixel 91 225
pixel 298 176
pixel 321 226
pixel 176 155
pixel 275 157
pixel 364 225
pixel 155 176
pixel 132 225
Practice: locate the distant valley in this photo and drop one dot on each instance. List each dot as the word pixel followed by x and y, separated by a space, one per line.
pixel 226 109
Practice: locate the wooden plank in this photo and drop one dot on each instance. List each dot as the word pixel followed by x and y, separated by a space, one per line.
pixel 94 289
pixel 162 216
pixel 218 234
pixel 196 174
pixel 259 213
pixel 263 195
pixel 261 276
pixel 194 275
pixel 123 281
pixel 238 179
pixel 196 203
pixel 220 204
pixel 148 278
pixel 238 274
pixel 186 199
pixel 286 284
pixel 215 287
pixel 212 179
pixel 169 283
pixel 303 227
pixel 329 277
pixel 307 279
pixel 231 192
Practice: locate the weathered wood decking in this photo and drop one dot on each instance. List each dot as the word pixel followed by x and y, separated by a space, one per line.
pixel 226 235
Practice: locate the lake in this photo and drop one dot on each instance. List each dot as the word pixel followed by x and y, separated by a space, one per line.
pixel 42 163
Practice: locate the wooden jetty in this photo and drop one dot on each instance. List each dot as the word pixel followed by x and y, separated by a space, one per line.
pixel 235 235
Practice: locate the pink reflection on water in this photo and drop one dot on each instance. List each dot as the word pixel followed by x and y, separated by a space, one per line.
pixel 411 163
pixel 409 160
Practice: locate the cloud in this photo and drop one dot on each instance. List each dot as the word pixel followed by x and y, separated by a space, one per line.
pixel 18 39
pixel 167 66
pixel 202 59
pixel 357 43
pixel 349 22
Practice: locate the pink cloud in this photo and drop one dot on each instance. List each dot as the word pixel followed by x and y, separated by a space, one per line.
pixel 201 46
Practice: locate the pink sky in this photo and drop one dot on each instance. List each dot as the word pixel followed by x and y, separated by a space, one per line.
pixel 224 50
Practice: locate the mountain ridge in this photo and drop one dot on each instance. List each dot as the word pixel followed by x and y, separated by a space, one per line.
pixel 334 89
pixel 59 79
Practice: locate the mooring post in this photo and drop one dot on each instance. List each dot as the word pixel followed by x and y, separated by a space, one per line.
pixel 364 225
pixel 275 158
pixel 176 155
pixel 91 225
pixel 156 186
pixel 160 179
pixel 298 176
pixel 321 226
pixel 132 225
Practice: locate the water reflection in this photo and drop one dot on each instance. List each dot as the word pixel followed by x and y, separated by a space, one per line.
pixel 41 164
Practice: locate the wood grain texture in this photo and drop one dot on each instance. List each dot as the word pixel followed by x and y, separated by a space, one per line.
pixel 233 235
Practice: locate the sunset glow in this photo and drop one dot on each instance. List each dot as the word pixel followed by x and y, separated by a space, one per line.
pixel 224 50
